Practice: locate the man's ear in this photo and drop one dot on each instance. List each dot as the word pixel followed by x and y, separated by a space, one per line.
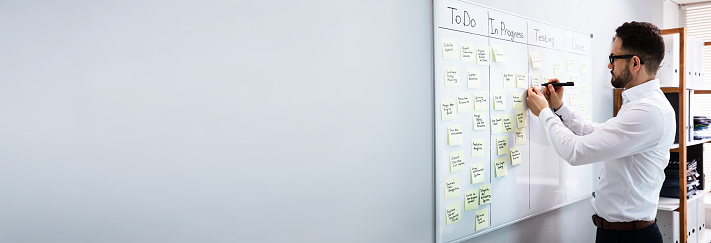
pixel 636 63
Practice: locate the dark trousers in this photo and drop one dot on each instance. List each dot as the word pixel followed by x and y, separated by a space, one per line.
pixel 649 234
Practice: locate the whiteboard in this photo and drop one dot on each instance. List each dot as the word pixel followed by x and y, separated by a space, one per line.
pixel 465 34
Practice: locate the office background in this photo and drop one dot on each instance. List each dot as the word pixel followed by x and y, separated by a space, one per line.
pixel 243 121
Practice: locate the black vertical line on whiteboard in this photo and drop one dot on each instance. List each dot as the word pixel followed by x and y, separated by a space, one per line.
pixel 491 168
pixel 528 136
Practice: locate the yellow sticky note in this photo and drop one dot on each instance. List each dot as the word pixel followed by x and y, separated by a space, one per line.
pixel 520 136
pixel 481 102
pixel 485 194
pixel 454 135
pixel 464 102
pixel 536 61
pixel 451 76
pixel 451 188
pixel 448 107
pixel 476 173
pixel 482 55
pixel 496 124
pixel 478 148
pixel 499 100
pixel 502 145
pixel 508 123
pixel 481 218
pixel 509 79
pixel 516 155
pixel 521 119
pixel 584 89
pixel 499 54
pixel 471 200
pixel 468 51
pixel 518 101
pixel 449 48
pixel 453 212
pixel 584 68
pixel 573 98
pixel 521 80
pixel 573 78
pixel 536 80
pixel 500 166
pixel 473 78
pixel 479 120
pixel 570 61
pixel 456 161
pixel 557 69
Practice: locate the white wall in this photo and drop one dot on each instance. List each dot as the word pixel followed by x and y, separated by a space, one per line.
pixel 672 13
pixel 215 121
pixel 239 121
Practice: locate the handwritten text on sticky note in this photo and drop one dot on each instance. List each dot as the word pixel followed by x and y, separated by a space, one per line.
pixel 453 212
pixel 500 166
pixel 451 188
pixel 516 155
pixel 454 135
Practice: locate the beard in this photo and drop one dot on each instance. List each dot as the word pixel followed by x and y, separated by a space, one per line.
pixel 620 81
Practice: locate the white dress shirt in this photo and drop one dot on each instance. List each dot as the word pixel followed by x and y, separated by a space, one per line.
pixel 634 148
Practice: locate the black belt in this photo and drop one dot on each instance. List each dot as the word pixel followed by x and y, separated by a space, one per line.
pixel 633 225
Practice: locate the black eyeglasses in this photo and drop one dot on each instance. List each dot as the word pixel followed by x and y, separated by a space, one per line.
pixel 613 57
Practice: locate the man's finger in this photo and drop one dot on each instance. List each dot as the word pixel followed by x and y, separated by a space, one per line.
pixel 545 92
pixel 535 91
pixel 551 89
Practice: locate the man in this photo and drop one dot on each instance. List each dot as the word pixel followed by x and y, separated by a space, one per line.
pixel 634 146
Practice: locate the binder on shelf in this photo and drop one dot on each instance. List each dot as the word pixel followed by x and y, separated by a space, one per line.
pixel 668 73
pixel 674 101
pixel 670 187
pixel 695 60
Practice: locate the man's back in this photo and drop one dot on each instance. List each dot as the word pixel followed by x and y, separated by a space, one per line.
pixel 628 186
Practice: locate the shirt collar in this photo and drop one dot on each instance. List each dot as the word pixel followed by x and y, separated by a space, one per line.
pixel 640 90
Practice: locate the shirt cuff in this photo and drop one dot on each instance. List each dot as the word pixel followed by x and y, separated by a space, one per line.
pixel 564 112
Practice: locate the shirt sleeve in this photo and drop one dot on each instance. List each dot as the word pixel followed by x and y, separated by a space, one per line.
pixel 575 122
pixel 634 131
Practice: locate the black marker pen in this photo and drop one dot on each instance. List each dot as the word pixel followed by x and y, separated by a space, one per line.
pixel 559 84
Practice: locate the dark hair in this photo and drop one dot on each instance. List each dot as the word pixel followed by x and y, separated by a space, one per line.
pixel 644 40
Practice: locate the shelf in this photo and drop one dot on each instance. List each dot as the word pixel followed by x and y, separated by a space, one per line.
pixel 675 147
pixel 676 90
pixel 697 142
pixel 707 236
pixel 672 31
pixel 672 204
pixel 670 89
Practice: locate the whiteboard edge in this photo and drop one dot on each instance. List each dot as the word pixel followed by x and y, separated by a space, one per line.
pixel 518 220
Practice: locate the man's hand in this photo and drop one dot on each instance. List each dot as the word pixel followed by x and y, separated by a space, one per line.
pixel 536 101
pixel 554 94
